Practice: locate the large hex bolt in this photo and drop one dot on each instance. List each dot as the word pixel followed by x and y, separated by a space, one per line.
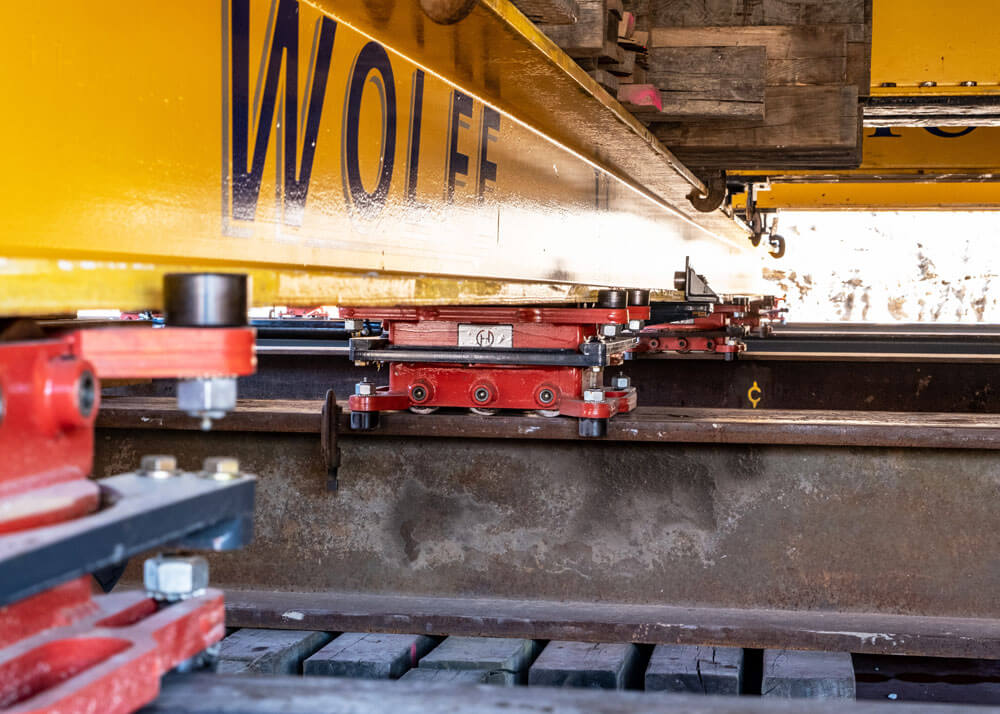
pixel 364 388
pixel 594 396
pixel 158 466
pixel 220 468
pixel 169 578
pixel 610 330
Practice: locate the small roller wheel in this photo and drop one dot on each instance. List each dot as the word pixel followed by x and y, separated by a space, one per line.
pixel 482 411
pixel 423 410
pixel 547 413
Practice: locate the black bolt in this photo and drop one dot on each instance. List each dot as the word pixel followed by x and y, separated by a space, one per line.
pixel 419 393
pixel 364 421
pixel 86 394
pixel 593 428
pixel 546 396
pixel 481 395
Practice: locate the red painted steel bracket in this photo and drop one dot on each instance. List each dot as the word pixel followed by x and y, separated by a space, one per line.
pixel 109 657
pixel 63 650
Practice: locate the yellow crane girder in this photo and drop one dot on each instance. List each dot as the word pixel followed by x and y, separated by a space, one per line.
pixel 283 139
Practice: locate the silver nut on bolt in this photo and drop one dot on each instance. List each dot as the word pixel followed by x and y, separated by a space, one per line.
pixel 621 382
pixel 220 468
pixel 364 389
pixel 610 330
pixel 158 466
pixel 170 578
pixel 207 398
pixel 352 325
pixel 593 395
pixel 635 325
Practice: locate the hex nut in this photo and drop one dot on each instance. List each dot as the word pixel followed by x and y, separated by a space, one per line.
pixel 352 325
pixel 609 330
pixel 635 325
pixel 158 466
pixel 593 395
pixel 220 468
pixel 621 382
pixel 170 578
pixel 364 389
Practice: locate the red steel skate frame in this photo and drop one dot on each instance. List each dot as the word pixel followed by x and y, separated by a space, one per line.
pixel 555 389
pixel 62 649
pixel 706 333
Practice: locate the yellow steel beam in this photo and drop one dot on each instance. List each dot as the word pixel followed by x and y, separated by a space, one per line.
pixel 879 196
pixel 277 137
pixel 928 47
pixel 951 168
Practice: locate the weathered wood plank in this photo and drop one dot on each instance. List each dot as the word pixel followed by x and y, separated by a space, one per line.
pixel 587 36
pixel 695 668
pixel 802 125
pixel 606 80
pixel 801 55
pixel 811 675
pixel 268 651
pixel 694 13
pixel 553 12
pixel 506 659
pixel 585 664
pixel 709 82
pixel 369 655
pixel 450 676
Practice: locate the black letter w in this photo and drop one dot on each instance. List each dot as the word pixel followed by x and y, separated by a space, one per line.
pixel 285 42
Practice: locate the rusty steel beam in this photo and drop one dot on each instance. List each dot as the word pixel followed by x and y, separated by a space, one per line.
pixel 645 424
pixel 861 531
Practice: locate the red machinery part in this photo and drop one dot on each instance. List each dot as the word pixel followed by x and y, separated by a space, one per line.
pixel 63 650
pixel 110 658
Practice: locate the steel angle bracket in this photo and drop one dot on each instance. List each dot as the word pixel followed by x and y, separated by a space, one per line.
pixel 138 513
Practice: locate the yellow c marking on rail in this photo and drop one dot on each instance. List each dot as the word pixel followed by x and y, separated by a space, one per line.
pixel 754 388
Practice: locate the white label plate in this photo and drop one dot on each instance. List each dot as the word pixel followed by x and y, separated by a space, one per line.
pixel 485 335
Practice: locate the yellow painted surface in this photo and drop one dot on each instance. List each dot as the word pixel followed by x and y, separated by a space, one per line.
pixel 123 152
pixel 917 41
pixel 886 196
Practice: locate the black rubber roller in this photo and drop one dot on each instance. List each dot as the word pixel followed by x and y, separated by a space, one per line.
pixel 205 299
pixel 612 299
pixel 364 421
pixel 638 298
pixel 593 428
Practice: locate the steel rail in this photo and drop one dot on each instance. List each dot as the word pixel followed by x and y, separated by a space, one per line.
pixel 645 424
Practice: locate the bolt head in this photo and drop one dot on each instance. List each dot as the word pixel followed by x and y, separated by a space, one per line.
pixel 635 325
pixel 171 578
pixel 593 395
pixel 621 382
pixel 221 468
pixel 609 330
pixel 352 325
pixel 364 389
pixel 158 465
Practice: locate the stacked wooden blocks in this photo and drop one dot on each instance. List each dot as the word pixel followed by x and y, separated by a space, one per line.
pixel 729 85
